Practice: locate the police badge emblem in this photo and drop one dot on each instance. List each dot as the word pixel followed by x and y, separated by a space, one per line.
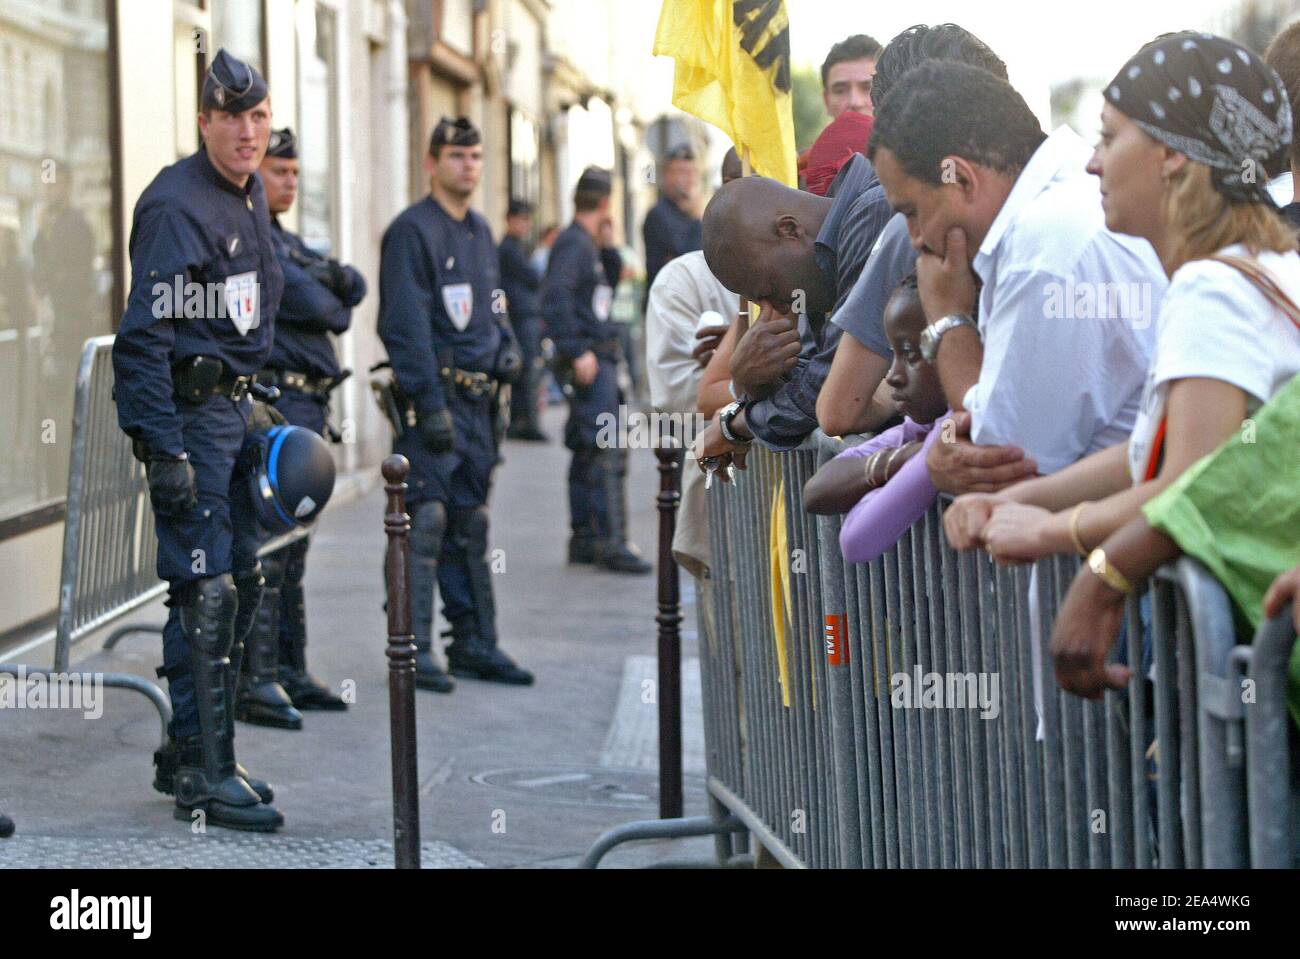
pixel 458 301
pixel 602 298
pixel 242 301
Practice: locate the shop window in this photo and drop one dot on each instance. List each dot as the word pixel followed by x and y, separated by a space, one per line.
pixel 56 233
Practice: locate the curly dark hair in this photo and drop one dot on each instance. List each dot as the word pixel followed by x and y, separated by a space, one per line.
pixel 857 47
pixel 915 45
pixel 954 109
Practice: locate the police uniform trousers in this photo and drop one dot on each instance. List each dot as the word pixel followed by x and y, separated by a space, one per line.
pixel 218 536
pixel 447 500
pixel 523 396
pixel 589 407
pixel 288 567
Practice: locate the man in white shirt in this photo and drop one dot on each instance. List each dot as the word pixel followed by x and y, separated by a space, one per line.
pixel 685 297
pixel 1057 360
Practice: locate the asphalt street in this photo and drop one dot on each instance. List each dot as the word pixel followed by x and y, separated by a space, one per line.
pixel 508 776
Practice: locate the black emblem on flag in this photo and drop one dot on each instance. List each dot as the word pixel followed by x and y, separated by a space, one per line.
pixel 770 52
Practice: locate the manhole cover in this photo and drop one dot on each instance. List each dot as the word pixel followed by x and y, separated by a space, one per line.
pixel 585 785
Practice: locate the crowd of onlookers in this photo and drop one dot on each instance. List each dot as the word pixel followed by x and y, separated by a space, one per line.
pixel 1092 348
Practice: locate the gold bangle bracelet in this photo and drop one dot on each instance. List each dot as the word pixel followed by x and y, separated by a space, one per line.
pixel 1108 574
pixel 1075 538
pixel 869 467
pixel 889 462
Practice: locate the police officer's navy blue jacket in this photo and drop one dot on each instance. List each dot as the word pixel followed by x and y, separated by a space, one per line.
pixel 518 278
pixel 577 295
pixel 219 239
pixel 437 286
pixel 668 233
pixel 309 311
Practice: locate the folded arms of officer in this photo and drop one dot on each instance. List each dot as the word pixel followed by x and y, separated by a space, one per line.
pixel 319 293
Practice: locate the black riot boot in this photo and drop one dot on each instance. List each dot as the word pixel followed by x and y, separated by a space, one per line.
pixel 523 405
pixel 616 553
pixel 428 527
pixel 206 779
pixel 306 691
pixel 584 542
pixel 473 651
pixel 167 758
pixel 260 699
pixel 6 827
pixel 582 548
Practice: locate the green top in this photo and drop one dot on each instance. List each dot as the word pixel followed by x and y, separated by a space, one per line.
pixel 1237 510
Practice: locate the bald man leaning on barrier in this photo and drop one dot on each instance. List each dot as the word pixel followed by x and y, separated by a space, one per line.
pixel 796 256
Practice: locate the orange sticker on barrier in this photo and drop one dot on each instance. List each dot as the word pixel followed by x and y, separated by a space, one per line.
pixel 837 650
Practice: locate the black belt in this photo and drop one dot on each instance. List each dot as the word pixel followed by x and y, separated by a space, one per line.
pixel 235 387
pixel 610 347
pixel 301 382
pixel 199 377
pixel 475 384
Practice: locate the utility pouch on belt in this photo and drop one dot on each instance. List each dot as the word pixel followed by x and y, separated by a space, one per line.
pixel 196 378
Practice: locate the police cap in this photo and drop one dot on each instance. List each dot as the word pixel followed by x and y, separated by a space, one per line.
pixel 459 132
pixel 283 144
pixel 595 180
pixel 232 85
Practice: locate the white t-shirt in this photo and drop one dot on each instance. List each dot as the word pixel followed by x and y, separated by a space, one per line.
pixel 1214 323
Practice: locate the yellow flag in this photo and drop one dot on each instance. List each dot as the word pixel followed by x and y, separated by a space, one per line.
pixel 733 70
pixel 779 549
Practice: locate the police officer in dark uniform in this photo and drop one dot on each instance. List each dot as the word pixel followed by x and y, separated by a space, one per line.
pixel 577 296
pixel 521 281
pixel 673 227
pixel 443 322
pixel 205 288
pixel 319 294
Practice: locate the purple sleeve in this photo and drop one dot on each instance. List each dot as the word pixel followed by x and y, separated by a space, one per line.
pixel 892 438
pixel 882 516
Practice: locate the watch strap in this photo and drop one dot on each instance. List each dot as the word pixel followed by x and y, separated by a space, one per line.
pixel 724 423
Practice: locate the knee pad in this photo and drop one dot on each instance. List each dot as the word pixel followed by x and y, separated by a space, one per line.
pixel 428 527
pixel 614 460
pixel 584 458
pixel 249 586
pixel 208 618
pixel 470 527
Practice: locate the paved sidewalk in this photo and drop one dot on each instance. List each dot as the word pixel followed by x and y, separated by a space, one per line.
pixel 508 776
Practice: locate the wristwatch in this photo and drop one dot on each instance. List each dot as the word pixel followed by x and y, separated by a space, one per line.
pixel 724 423
pixel 932 334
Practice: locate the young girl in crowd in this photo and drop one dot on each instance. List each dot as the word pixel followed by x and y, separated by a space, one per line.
pixel 855 480
pixel 1191 129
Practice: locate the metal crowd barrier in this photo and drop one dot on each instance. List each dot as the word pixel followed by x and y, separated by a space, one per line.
pixel 110 550
pixel 806 746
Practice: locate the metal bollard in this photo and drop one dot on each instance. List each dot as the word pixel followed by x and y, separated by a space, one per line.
pixel 669 620
pixel 401 668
